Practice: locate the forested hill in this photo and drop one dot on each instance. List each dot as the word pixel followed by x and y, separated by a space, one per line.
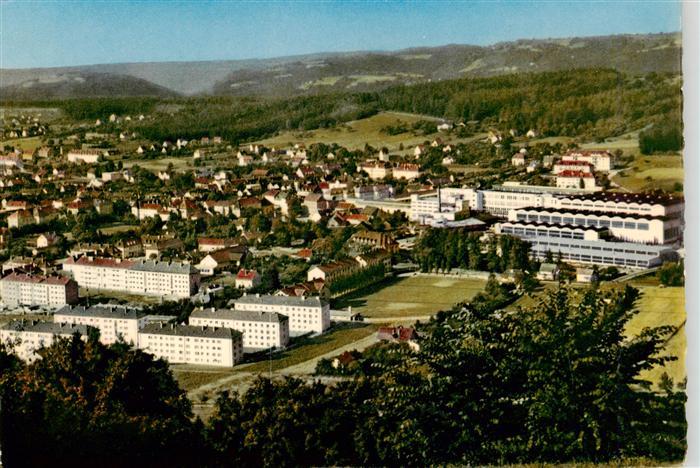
pixel 352 72
pixel 85 85
pixel 592 103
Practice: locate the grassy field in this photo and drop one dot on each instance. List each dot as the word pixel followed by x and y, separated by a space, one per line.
pixel 25 144
pixel 663 306
pixel 657 306
pixel 414 296
pixel 651 172
pixel 179 164
pixel 355 134
pixel 308 348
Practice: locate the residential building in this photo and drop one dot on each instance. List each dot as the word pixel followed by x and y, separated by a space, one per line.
pixel 188 344
pixel 143 277
pixel 576 179
pixel 114 322
pixel 260 329
pixel 247 279
pixel 306 314
pixel 211 244
pixel 375 240
pixel 218 260
pixel 376 170
pixel 406 171
pixel 600 160
pixel 25 289
pixel 155 246
pixel 548 272
pixel 88 156
pixel 29 336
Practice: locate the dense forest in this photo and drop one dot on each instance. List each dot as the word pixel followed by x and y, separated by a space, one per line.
pixel 486 387
pixel 593 103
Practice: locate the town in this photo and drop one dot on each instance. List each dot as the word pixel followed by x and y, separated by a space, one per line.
pixel 265 241
pixel 221 248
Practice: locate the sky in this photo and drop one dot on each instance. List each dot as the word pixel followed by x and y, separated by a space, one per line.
pixel 62 33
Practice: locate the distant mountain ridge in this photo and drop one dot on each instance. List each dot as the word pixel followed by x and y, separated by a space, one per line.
pixel 348 71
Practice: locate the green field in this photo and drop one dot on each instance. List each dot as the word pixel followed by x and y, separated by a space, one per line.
pixel 308 348
pixel 410 297
pixel 651 172
pixel 657 306
pixel 663 306
pixel 353 135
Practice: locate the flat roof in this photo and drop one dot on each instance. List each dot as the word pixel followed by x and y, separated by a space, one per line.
pixel 268 299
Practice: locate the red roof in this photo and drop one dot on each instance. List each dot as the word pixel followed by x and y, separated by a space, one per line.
pixel 573 163
pixel 575 174
pixel 397 333
pixel 305 253
pixel 25 278
pixel 100 262
pixel 246 274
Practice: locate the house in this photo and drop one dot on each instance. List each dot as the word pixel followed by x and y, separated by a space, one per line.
pixel 586 275
pixel 211 244
pixel 376 170
pixel 407 171
pixel 217 261
pixel 375 240
pixel 444 127
pixel 20 218
pixel 518 159
pixel 247 279
pixel 548 272
pixel 601 160
pixel 155 246
pixel 418 151
pixel 399 334
pixel 88 156
pixel 46 240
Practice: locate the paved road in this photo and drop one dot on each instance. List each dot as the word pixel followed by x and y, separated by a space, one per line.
pixel 403 318
pixel 635 275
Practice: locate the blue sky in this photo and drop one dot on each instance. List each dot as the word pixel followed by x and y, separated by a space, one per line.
pixel 56 33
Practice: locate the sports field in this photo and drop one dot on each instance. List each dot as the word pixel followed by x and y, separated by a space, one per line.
pixel 411 297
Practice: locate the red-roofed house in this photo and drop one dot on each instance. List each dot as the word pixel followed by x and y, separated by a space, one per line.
pixel 399 334
pixel 247 279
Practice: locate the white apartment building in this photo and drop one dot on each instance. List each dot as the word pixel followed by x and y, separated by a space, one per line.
pixel 600 160
pixel 261 330
pixel 188 344
pixel 306 314
pixel 576 179
pixel 144 277
pixel 113 322
pixel 22 289
pixel 28 336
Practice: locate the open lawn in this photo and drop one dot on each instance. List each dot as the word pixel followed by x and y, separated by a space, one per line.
pixel 663 306
pixel 25 144
pixel 651 172
pixel 410 297
pixel 305 349
pixel 355 134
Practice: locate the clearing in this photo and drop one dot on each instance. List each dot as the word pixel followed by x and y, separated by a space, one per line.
pixel 355 134
pixel 409 297
pixel 652 172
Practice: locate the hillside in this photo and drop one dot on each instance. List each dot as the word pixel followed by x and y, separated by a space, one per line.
pixel 360 71
pixel 79 84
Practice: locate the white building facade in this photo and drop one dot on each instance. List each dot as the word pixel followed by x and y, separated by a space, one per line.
pixel 306 314
pixel 261 330
pixel 53 291
pixel 187 344
pixel 114 322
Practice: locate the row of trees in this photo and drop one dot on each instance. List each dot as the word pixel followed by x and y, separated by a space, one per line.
pixel 444 249
pixel 556 382
pixel 358 279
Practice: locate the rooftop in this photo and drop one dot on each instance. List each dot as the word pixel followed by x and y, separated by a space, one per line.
pixel 172 329
pixel 268 299
pixel 103 311
pixel 41 326
pixel 240 315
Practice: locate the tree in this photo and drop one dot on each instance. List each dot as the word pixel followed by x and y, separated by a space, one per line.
pixel 671 274
pixel 86 404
